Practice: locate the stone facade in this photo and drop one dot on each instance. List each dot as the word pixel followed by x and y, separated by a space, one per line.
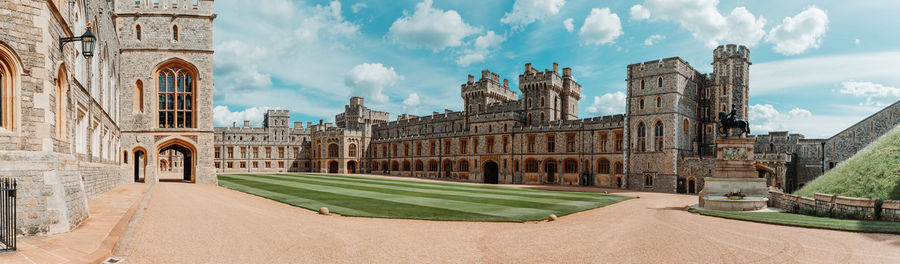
pixel 274 147
pixel 64 117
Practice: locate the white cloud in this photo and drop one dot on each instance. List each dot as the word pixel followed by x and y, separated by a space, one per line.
pixel 600 27
pixel 222 116
pixel 799 113
pixel 856 41
pixel 799 33
pixel 655 38
pixel 568 24
pixel 236 67
pixel 525 12
pixel 873 92
pixel 358 6
pixel 326 23
pixel 482 49
pixel 638 12
pixel 809 73
pixel 703 20
pixel 430 27
pixel 370 80
pixel 765 118
pixel 411 102
pixel 608 104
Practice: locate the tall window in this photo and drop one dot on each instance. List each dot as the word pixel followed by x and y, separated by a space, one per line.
pixel 686 127
pixel 603 142
pixel 659 82
pixel 8 78
pixel 658 102
pixel 176 98
pixel 175 32
pixel 418 149
pixel 531 143
pixel 490 145
pixel 619 168
pixel 531 165
pixel 603 166
pixel 658 132
pixel 463 147
pixel 447 145
pixel 642 136
pixel 139 96
pixel 570 143
pixel 137 32
pixel 642 84
pixel 352 150
pixel 62 101
pixel 648 180
pixel 551 143
pixel 619 142
pixel 642 103
pixel 463 165
pixel 333 151
pixel 570 166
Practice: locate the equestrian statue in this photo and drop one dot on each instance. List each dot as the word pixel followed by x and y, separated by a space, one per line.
pixel 730 120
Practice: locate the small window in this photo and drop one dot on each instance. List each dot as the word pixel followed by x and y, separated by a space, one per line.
pixel 137 32
pixel 175 33
pixel 648 180
pixel 658 102
pixel 137 2
pixel 642 103
pixel 642 84
pixel 659 82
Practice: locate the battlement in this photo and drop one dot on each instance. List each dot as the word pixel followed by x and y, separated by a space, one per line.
pixel 179 7
pixel 277 112
pixel 731 51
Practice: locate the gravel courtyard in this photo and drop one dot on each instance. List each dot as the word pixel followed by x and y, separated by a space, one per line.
pixel 188 223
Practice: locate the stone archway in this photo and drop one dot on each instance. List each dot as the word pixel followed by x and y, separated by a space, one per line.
pixel 187 151
pixel 140 165
pixel 491 172
pixel 351 167
pixel 333 167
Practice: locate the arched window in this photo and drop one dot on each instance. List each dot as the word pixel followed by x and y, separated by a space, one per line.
pixel 333 151
pixel 139 96
pixel 686 127
pixel 406 166
pixel 137 32
pixel 9 78
pixel 352 150
pixel 531 165
pixel 570 166
pixel 62 101
pixel 432 165
pixel 603 166
pixel 642 84
pixel 175 32
pixel 542 101
pixel 658 101
pixel 542 117
pixel 641 134
pixel 658 132
pixel 395 166
pixel 724 90
pixel 659 82
pixel 463 165
pixel 419 166
pixel 176 98
pixel 648 180
pixel 641 103
pixel 619 168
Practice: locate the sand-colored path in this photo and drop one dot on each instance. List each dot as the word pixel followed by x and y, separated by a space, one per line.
pixel 188 223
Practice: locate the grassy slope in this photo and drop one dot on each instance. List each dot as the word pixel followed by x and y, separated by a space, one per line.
pixel 389 198
pixel 873 172
pixel 808 221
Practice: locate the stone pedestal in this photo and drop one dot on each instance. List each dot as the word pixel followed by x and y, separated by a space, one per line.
pixel 734 172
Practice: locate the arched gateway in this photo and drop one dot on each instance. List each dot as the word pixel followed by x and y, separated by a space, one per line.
pixel 491 173
pixel 188 152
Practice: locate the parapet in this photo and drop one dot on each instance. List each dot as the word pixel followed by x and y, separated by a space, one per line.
pixel 731 51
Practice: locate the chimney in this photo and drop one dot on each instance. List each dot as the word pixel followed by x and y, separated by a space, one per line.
pixel 505 82
pixel 567 72
pixel 527 67
pixel 471 79
pixel 246 123
pixel 555 67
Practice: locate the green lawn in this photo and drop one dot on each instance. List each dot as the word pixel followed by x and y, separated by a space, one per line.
pixel 808 221
pixel 390 198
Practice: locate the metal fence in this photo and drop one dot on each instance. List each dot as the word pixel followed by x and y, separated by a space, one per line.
pixel 7 214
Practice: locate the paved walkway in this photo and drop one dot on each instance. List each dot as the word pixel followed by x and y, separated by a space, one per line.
pixel 188 223
pixel 93 240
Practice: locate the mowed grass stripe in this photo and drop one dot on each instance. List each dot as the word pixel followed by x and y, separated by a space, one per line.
pixel 245 186
pixel 522 192
pixel 407 198
pixel 502 200
pixel 366 207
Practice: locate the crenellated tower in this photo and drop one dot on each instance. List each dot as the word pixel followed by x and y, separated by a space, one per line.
pixel 486 91
pixel 547 96
pixel 731 78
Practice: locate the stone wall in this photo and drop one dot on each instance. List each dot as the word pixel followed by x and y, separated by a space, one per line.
pixel 836 206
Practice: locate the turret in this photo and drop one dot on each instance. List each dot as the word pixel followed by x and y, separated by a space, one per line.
pixel 731 75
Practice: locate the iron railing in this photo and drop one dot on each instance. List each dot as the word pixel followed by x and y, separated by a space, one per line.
pixel 7 214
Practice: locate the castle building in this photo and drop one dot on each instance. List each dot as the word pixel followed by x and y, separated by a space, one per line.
pixel 74 121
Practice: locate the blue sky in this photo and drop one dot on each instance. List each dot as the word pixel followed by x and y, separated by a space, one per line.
pixel 818 66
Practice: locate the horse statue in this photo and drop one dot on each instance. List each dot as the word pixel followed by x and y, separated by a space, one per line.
pixel 729 120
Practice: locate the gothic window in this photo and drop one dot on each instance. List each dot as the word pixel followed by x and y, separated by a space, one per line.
pixel 432 165
pixel 463 165
pixel 659 82
pixel 62 101
pixel 658 132
pixel 642 84
pixel 603 166
pixel 139 96
pixel 641 134
pixel 641 103
pixel 176 98
pixel 570 166
pixel 419 166
pixel 531 165
pixel 658 101
pixel 619 168
pixel 8 79
pixel 619 142
pixel 333 151
pixel 175 32
pixel 137 32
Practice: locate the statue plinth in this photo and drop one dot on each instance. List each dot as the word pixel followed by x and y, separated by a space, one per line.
pixel 734 173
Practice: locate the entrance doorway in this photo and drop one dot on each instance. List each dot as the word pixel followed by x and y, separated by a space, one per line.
pixel 140 163
pixel 187 159
pixel 550 170
pixel 618 181
pixel 333 167
pixel 448 167
pixel 692 185
pixel 351 166
pixel 680 187
pixel 491 173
